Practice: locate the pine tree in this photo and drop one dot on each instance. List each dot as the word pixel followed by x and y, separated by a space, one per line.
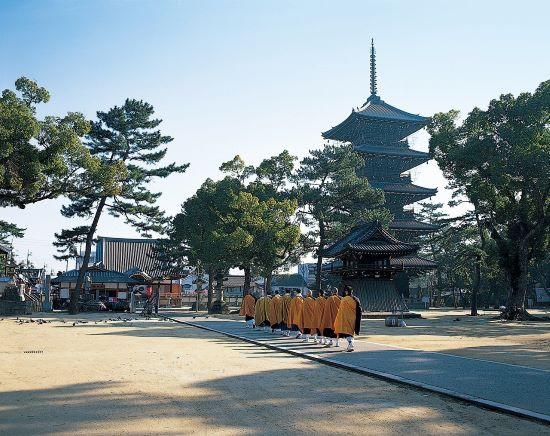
pixel 333 197
pixel 128 147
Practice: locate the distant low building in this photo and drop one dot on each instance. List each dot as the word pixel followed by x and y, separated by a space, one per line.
pixel 292 282
pixel 233 286
pixel 139 256
pixel 6 264
pixel 104 284
pixel 308 271
pixel 34 277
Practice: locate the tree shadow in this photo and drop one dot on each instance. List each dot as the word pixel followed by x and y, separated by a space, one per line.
pixel 271 402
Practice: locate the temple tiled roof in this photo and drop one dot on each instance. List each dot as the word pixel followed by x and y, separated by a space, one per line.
pixel 124 254
pixel 399 224
pixel 375 107
pixel 413 262
pixel 403 188
pixel 5 249
pixel 369 237
pixel 98 275
pixel 376 247
pixel 402 152
pixel 376 121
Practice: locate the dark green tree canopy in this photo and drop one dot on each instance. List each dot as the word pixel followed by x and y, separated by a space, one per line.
pixel 499 159
pixel 39 159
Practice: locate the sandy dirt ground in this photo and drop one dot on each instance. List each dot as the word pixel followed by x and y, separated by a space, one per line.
pixel 520 343
pixel 153 377
pixel 482 337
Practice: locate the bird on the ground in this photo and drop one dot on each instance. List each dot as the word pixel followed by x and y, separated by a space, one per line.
pixel 74 324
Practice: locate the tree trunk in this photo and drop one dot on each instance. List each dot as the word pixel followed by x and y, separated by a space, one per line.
pixel 210 287
pixel 477 282
pixel 246 289
pixel 268 280
pixel 320 255
pixel 454 296
pixel 479 260
pixel 73 306
pixel 518 281
pixel 219 286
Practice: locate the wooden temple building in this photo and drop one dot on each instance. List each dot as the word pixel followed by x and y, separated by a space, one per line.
pixel 367 259
pixel 379 132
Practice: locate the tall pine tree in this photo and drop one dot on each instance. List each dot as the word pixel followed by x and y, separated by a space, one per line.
pixel 129 147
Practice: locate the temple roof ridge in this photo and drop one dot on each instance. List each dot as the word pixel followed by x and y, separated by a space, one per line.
pixel 369 236
pixel 402 187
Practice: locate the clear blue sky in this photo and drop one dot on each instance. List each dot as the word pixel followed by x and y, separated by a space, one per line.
pixel 254 77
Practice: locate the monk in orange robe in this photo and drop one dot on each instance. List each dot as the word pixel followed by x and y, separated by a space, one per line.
pixel 248 308
pixel 287 300
pixel 308 315
pixel 348 320
pixel 261 313
pixel 276 312
pixel 318 317
pixel 329 315
pixel 295 320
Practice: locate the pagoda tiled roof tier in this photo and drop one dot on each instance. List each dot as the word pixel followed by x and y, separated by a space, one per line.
pixel 404 188
pixel 369 238
pixel 393 152
pixel 376 247
pixel 413 262
pixel 376 121
pixel 412 225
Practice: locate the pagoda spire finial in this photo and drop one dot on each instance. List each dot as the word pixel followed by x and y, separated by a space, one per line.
pixel 372 69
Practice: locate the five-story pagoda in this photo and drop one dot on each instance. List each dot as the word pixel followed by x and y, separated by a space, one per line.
pixel 379 131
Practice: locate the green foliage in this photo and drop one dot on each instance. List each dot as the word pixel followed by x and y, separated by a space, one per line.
pixel 228 223
pixel 127 148
pixel 333 198
pixel 8 230
pixel 67 241
pixel 39 159
pixel 500 160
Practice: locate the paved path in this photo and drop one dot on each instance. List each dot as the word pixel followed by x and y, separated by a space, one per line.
pixel 515 389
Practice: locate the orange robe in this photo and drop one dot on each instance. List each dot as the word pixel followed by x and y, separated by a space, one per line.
pixel 248 306
pixel 329 313
pixel 287 300
pixel 309 313
pixel 296 308
pixel 319 309
pixel 276 310
pixel 261 314
pixel 346 322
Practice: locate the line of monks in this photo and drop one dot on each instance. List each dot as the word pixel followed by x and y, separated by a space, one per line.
pixel 325 320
